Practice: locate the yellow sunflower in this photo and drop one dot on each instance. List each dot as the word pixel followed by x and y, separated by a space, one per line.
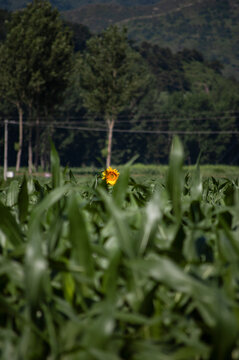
pixel 110 175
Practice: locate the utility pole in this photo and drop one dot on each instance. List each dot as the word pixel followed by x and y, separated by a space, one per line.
pixel 5 149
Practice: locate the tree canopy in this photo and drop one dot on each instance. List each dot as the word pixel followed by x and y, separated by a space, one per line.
pixel 35 58
pixel 110 77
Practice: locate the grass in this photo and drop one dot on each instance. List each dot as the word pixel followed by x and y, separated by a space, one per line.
pixel 146 170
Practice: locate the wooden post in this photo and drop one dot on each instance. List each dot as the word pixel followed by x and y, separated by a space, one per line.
pixel 5 149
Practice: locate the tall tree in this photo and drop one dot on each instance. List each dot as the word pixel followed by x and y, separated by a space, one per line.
pixel 39 49
pixel 13 83
pixel 110 77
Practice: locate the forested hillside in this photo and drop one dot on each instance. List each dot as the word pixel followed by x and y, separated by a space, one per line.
pixel 209 26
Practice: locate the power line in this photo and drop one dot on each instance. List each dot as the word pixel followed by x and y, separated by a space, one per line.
pixel 202 115
pixel 201 132
pixel 159 115
pixel 123 121
pixel 133 131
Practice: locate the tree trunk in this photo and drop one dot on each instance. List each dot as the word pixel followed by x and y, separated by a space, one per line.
pixel 110 124
pixel 20 138
pixel 37 144
pixel 44 149
pixel 5 149
pixel 48 133
pixel 42 161
pixel 30 150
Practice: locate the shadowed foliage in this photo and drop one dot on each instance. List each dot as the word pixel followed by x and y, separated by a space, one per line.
pixel 124 272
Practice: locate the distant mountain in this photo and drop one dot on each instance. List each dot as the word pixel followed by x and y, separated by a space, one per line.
pixel 13 5
pixel 209 26
pixel 97 16
pixel 63 5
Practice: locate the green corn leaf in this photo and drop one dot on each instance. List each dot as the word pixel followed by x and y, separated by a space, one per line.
pixel 39 189
pixel 54 234
pixel 110 278
pixel 103 355
pixel 72 177
pixel 175 176
pixel 228 233
pixel 196 186
pixel 165 271
pixel 52 332
pixel 153 215
pixel 132 318
pixel 49 200
pixel 9 226
pixel 36 264
pixel 36 275
pixel 12 193
pixel 120 188
pixel 14 270
pixel 7 308
pixel 80 237
pixel 121 228
pixel 100 329
pixel 23 200
pixel 55 167
pixel 68 286
pixel 8 340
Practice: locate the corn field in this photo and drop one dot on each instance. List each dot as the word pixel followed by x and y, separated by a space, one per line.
pixel 128 272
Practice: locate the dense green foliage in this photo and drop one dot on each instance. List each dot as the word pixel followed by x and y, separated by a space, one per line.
pixel 179 92
pixel 35 61
pixel 134 272
pixel 39 50
pixel 80 35
pixel 4 16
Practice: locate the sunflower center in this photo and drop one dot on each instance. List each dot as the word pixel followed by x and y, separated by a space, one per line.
pixel 112 176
